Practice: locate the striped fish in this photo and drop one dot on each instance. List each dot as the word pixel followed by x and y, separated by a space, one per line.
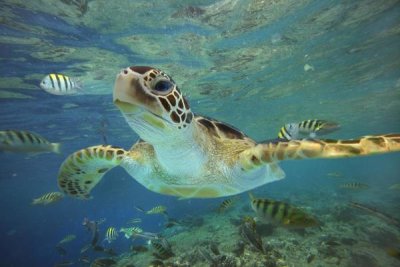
pixel 226 204
pixel 111 234
pixel 131 231
pixel 354 185
pixel 281 213
pixel 59 84
pixel 160 209
pixel 308 128
pixel 163 248
pixel 24 141
pixel 48 198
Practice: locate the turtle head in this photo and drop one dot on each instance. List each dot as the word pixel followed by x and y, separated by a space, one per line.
pixel 151 102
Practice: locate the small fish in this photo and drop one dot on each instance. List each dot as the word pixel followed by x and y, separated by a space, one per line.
pixel 108 251
pixel 226 204
pixel 205 255
pixel 67 239
pixel 26 142
pixel 377 213
pixel 248 232
pixel 84 259
pixel 92 226
pixel 395 253
pixel 85 248
pixel 134 221
pixel 131 231
pixel 171 222
pixel 102 220
pixel 157 210
pixel 282 213
pixel 308 128
pixel 64 263
pixel 139 248
pixel 48 198
pixel 103 262
pixel 148 235
pixel 163 248
pixel 335 174
pixel 111 234
pixel 160 209
pixel 59 84
pixel 354 185
pixel 395 187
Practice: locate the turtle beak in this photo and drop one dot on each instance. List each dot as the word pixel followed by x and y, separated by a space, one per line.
pixel 130 94
pixel 122 98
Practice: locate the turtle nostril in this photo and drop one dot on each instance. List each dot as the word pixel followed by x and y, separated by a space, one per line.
pixel 125 72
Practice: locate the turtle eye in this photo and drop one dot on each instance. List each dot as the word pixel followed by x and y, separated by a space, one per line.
pixel 163 86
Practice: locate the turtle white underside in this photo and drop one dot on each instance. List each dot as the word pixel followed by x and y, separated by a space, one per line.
pixel 203 184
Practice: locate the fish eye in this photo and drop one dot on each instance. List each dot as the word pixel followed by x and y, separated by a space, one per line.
pixel 163 86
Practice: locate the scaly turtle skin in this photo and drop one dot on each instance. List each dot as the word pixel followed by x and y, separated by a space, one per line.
pixel 192 156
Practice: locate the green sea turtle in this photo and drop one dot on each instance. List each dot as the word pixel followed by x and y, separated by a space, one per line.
pixel 190 156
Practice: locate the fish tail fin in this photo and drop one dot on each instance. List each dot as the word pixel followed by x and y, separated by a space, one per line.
pixel 78 84
pixel 56 148
pixel 35 201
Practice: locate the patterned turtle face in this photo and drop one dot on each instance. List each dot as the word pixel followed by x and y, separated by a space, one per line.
pixel 151 96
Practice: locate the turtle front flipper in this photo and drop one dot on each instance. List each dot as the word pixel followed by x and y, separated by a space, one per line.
pixel 314 148
pixel 82 170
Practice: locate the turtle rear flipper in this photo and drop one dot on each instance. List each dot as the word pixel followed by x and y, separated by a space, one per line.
pixel 314 148
pixel 82 170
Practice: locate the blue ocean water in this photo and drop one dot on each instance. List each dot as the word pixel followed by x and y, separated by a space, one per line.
pixel 239 61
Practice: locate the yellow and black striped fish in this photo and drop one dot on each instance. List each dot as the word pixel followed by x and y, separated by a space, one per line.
pixel 131 231
pixel 160 209
pixel 48 198
pixel 163 248
pixel 308 128
pixel 26 142
pixel 282 213
pixel 111 234
pixel 226 204
pixel 354 185
pixel 59 84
